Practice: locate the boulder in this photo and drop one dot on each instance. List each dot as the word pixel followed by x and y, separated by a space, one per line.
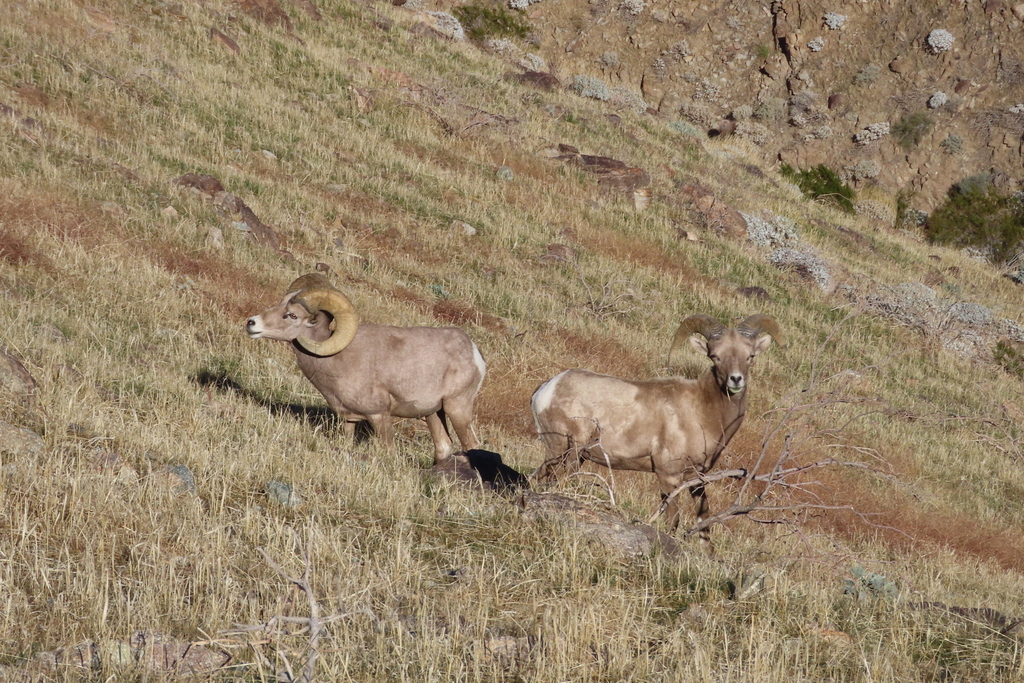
pixel 15 381
pixel 477 468
pixel 605 527
pixel 18 442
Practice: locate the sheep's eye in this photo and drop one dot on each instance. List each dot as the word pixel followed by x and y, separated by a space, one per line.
pixel 714 357
pixel 290 316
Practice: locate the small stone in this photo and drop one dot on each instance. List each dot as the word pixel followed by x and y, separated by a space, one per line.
pixel 641 199
pixel 19 442
pixel 170 212
pixel 1018 11
pixel 756 293
pixel 215 236
pixel 322 267
pixel 463 227
pixel 504 173
pixel 178 478
pixel 14 378
pixel 559 253
pixel 267 154
pixel 283 494
pixel 218 36
pixel 48 332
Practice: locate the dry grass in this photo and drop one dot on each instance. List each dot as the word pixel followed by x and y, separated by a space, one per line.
pixel 148 305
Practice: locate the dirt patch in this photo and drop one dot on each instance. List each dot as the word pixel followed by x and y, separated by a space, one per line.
pixel 458 314
pixel 15 250
pixel 642 253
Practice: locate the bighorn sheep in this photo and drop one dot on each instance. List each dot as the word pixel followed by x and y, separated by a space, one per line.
pixel 374 372
pixel 673 427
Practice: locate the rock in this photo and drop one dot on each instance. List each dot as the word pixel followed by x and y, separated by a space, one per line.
pixel 901 65
pixel 311 10
pixel 215 237
pixel 18 442
pixel 478 468
pixel 713 214
pixel 612 173
pixel 607 528
pixel 48 333
pixel 641 199
pixel 755 293
pixel 268 155
pixel 805 264
pixel 503 651
pixel 1018 11
pixel 962 86
pixel 109 462
pixel 156 654
pixel 169 212
pixel 504 173
pixel 670 103
pixel 463 227
pixel 206 184
pixel 224 40
pixel 283 494
pixel 559 253
pixel 835 100
pixel 542 80
pixel 15 380
pixel 256 229
pixel 267 11
pixel 322 267
pixel 176 478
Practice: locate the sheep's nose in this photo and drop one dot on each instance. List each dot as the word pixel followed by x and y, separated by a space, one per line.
pixel 736 380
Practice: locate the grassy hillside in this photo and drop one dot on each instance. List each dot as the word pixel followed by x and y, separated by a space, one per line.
pixel 363 141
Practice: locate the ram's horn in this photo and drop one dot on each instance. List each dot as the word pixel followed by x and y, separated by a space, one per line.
pixel 310 281
pixel 704 325
pixel 758 324
pixel 328 299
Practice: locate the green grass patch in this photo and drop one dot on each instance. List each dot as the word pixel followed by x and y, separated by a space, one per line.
pixel 976 214
pixel 483 20
pixel 821 182
pixel 911 129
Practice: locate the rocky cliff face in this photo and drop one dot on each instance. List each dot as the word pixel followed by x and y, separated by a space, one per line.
pixel 809 81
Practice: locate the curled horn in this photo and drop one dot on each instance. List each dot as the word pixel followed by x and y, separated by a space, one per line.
pixel 309 281
pixel 316 294
pixel 704 325
pixel 759 323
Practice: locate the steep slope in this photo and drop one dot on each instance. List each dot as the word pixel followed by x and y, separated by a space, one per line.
pixel 356 140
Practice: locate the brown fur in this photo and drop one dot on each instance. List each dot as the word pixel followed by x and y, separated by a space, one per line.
pixel 673 427
pixel 385 371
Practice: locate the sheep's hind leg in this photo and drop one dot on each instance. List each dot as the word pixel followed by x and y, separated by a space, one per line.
pixel 461 416
pixel 701 507
pixel 563 458
pixel 443 445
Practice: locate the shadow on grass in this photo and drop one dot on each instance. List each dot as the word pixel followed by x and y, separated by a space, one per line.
pixel 318 417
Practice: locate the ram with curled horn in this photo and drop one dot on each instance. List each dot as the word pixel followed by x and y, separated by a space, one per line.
pixel 377 372
pixel 676 428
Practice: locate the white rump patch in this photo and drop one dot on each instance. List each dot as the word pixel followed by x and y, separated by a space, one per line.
pixel 541 400
pixel 478 359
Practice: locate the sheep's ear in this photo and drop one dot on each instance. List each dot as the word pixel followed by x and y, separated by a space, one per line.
pixel 762 343
pixel 699 343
